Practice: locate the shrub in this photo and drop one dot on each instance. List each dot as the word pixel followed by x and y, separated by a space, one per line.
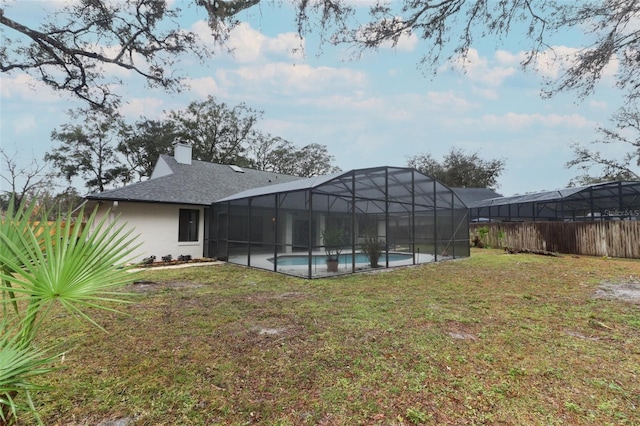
pixel 373 248
pixel 479 238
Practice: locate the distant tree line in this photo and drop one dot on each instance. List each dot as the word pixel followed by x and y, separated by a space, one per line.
pixel 105 151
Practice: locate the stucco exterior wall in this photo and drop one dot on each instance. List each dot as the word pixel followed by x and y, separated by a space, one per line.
pixel 157 227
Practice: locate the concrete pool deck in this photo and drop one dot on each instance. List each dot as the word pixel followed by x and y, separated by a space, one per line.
pixel 319 268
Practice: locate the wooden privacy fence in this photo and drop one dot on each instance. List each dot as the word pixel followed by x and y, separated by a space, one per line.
pixel 601 238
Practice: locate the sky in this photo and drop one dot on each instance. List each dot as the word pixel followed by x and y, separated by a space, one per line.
pixel 375 111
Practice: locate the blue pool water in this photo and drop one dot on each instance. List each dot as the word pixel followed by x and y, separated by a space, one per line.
pixel 300 260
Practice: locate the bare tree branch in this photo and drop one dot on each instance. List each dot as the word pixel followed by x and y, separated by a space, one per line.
pixel 626 132
pixel 145 36
pixel 24 180
pixel 67 52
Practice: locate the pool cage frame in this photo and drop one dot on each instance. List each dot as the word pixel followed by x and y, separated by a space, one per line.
pixel 618 200
pixel 409 217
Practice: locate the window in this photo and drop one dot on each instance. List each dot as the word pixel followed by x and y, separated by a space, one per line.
pixel 188 227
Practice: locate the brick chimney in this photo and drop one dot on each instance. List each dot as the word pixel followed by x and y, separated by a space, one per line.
pixel 182 153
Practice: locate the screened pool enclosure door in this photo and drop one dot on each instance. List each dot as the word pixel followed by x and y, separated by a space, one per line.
pixel 363 219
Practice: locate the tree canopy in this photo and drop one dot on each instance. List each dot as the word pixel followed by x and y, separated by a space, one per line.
pixel 76 47
pixel 281 156
pixel 71 48
pixel 88 150
pixel 142 142
pixel 218 133
pixel 459 169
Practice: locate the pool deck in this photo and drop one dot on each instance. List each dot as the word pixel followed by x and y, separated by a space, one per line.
pixel 319 268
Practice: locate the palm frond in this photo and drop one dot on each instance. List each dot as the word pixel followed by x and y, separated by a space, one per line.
pixel 19 364
pixel 77 266
pixel 13 225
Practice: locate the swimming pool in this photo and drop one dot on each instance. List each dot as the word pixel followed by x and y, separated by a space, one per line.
pixel 301 259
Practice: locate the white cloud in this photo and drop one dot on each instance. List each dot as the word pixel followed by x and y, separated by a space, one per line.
pixel 478 70
pixel 550 64
pixel 342 102
pixel 289 79
pixel 25 87
pixel 491 94
pixel 249 45
pixel 406 43
pixel 204 86
pixel 24 124
pixel 448 101
pixel 598 105
pixel 553 62
pixel 113 70
pixel 49 5
pixel 506 58
pixel 142 107
pixel 517 122
pixel 289 44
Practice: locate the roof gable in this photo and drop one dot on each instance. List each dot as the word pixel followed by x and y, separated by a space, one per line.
pixel 162 168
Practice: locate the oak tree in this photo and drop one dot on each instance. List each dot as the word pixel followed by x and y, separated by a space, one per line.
pixel 218 133
pixel 459 169
pixel 87 149
pixel 142 142
pixel 281 156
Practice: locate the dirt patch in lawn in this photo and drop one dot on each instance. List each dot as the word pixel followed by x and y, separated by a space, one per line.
pixel 268 296
pixel 460 331
pixel 151 286
pixel 628 291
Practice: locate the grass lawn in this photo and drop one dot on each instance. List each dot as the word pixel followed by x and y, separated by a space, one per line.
pixel 493 339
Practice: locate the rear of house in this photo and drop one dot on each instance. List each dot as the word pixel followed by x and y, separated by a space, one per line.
pixel 170 210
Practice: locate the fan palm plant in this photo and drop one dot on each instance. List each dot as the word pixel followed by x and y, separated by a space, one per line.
pixel 18 364
pixel 75 265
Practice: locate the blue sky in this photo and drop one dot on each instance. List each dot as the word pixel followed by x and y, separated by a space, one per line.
pixel 375 111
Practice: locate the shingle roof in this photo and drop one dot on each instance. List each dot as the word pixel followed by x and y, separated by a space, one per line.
pixel 198 183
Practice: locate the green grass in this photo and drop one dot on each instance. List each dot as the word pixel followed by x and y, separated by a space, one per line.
pixel 493 339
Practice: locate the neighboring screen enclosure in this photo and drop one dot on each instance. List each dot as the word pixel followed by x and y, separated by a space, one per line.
pixel 618 200
pixel 342 223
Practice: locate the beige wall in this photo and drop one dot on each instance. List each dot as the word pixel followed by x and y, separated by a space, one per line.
pixel 157 227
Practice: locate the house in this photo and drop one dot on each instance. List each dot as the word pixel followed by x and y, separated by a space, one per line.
pixel 170 210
